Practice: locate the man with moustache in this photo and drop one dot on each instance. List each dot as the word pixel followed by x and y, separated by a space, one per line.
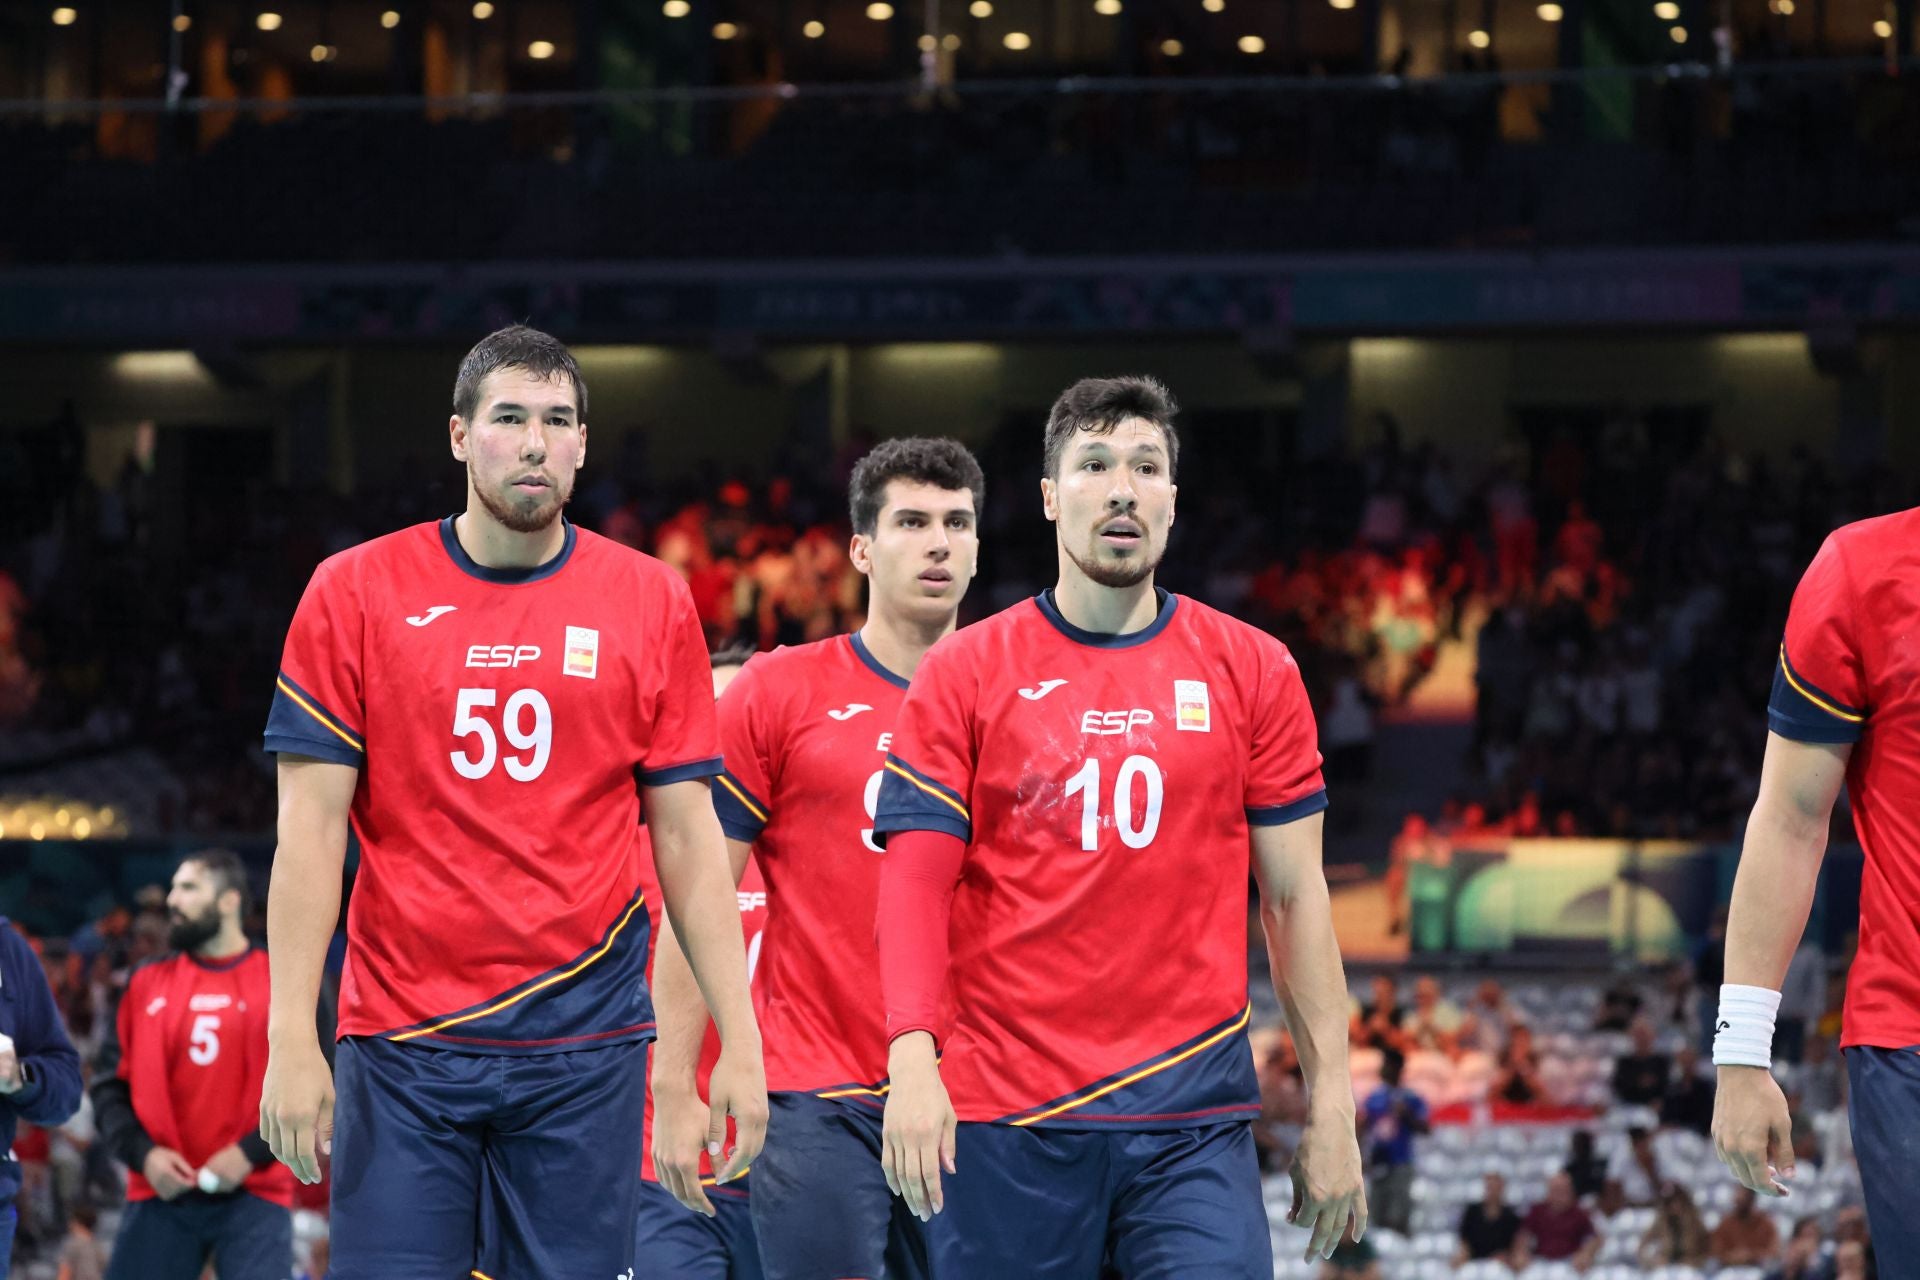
pixel 1075 792
pixel 176 1095
pixel 486 699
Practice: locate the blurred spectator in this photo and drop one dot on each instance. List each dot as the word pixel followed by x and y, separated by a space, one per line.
pixel 1637 1168
pixel 1283 1097
pixel 1850 1261
pixel 1745 1237
pixel 1518 1078
pixel 1392 1117
pixel 1352 1260
pixel 82 1257
pixel 1821 1082
pixel 1688 1101
pixel 1618 1007
pixel 1803 997
pixel 1585 1166
pixel 1434 1023
pixel 1558 1229
pixel 1640 1078
pixel 1677 1237
pixel 1802 1258
pixel 39 1072
pixel 1489 1227
pixel 1488 1020
pixel 1376 1024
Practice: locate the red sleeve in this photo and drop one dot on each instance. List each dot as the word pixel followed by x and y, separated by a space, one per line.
pixel 318 699
pixel 917 880
pixel 1819 683
pixel 1283 769
pixel 685 742
pixel 928 778
pixel 746 738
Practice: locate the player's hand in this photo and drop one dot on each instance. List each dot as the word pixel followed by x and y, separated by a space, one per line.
pixel 680 1121
pixel 296 1107
pixel 1752 1132
pixel 917 1136
pixel 737 1088
pixel 231 1166
pixel 1328 1192
pixel 169 1172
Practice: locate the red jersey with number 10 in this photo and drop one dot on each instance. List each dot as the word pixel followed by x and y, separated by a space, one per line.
pixel 1849 672
pixel 1106 785
pixel 502 721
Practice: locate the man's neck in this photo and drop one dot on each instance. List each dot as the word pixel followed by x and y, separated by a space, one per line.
pixel 898 644
pixel 494 546
pixel 224 945
pixel 1102 610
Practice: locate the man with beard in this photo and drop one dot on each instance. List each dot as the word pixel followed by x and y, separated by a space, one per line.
pixel 176 1094
pixel 1075 791
pixel 485 699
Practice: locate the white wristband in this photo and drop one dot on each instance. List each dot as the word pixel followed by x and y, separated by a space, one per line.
pixel 1743 1036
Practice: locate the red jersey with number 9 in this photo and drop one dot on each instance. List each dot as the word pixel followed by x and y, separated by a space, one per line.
pixel 1106 785
pixel 502 721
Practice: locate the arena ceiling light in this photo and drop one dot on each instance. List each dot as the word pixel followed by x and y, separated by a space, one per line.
pixel 390 19
pixel 323 53
pixel 725 31
pixel 1883 29
pixel 540 50
pixel 65 17
pixel 268 21
pixel 1018 41
pixel 1252 44
pixel 1667 11
pixel 1172 48
pixel 182 22
pixel 1678 35
pixel 880 10
pixel 676 8
pixel 981 8
pixel 814 29
pixel 949 42
pixel 1479 39
pixel 1550 12
pixel 1214 6
pixel 1106 8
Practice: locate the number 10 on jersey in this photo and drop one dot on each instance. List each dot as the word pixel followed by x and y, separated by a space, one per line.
pixel 1086 784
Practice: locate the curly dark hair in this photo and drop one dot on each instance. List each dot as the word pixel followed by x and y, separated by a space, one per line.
pixel 515 347
pixel 943 463
pixel 1098 405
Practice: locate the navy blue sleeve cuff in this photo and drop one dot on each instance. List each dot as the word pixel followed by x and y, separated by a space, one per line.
pixel 679 772
pixel 892 824
pixel 335 752
pixel 743 815
pixel 1280 815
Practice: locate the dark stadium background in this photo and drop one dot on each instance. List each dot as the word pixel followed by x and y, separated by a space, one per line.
pixel 1527 354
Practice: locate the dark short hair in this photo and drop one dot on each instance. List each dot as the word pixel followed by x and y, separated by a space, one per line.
pixel 1098 405
pixel 225 866
pixel 731 655
pixel 942 463
pixel 515 347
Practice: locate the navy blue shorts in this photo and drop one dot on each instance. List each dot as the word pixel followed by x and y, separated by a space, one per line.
pixel 449 1164
pixel 1076 1205
pixel 1883 1105
pixel 672 1240
pixel 821 1207
pixel 245 1237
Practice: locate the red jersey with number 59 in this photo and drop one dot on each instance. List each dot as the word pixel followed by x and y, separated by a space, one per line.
pixel 1106 785
pixel 502 721
pixel 804 734
pixel 1849 672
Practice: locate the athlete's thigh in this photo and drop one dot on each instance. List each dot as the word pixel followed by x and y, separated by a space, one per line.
pixel 158 1241
pixel 1883 1105
pixel 672 1242
pixel 1187 1205
pixel 733 1218
pixel 1023 1202
pixel 562 1165
pixel 821 1208
pixel 253 1240
pixel 406 1159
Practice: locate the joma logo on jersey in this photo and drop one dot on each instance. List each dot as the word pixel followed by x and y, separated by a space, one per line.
pixel 1106 723
pixel 502 655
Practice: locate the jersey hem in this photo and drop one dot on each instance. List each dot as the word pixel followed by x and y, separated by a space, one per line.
pixel 1280 815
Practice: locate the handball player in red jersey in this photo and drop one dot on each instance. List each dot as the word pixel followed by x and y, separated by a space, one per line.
pixel 485 699
pixel 1845 710
pixel 1075 794
pixel 805 731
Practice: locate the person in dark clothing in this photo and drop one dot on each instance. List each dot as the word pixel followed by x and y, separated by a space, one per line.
pixel 1587 1169
pixel 1640 1078
pixel 1688 1102
pixel 1489 1227
pixel 39 1070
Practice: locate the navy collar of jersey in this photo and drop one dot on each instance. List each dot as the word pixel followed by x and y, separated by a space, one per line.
pixel 873 664
pixel 233 961
pixel 1107 639
pixel 474 569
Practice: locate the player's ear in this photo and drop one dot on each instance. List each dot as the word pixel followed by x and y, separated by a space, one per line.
pixel 1173 502
pixel 581 461
pixel 1049 498
pixel 860 551
pixel 457 437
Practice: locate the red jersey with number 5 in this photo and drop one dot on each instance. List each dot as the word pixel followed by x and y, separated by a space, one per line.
pixel 1106 785
pixel 1849 672
pixel 502 721
pixel 804 734
pixel 190 1040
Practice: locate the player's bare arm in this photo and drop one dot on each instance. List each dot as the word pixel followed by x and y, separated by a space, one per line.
pixel 303 905
pixel 698 884
pixel 1297 914
pixel 1772 894
pixel 680 1114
